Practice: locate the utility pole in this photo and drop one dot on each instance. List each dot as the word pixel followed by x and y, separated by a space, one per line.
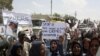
pixel 1 20
pixel 75 14
pixel 51 7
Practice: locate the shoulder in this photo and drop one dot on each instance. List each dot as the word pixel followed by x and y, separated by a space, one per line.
pixel 48 53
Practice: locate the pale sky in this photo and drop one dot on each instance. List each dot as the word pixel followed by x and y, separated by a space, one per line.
pixel 84 8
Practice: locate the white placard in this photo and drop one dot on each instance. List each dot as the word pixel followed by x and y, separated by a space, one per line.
pixel 11 28
pixel 52 30
pixel 19 17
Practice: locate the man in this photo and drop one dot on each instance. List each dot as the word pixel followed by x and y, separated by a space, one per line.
pixel 3 46
pixel 67 41
pixel 23 43
pixel 60 45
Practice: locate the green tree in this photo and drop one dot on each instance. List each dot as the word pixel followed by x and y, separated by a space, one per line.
pixel 56 15
pixel 6 4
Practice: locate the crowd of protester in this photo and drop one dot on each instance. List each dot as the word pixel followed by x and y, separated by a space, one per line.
pixel 81 43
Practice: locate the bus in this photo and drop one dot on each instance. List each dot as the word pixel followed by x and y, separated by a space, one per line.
pixel 37 25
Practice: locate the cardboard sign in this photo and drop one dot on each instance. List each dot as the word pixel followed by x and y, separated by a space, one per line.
pixel 19 17
pixel 52 30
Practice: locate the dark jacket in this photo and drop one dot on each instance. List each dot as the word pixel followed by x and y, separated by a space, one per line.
pixel 35 49
pixel 60 48
pixel 14 50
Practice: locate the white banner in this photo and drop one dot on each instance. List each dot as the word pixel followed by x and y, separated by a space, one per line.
pixel 19 17
pixel 52 30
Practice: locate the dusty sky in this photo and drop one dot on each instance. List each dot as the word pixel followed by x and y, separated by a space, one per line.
pixel 84 8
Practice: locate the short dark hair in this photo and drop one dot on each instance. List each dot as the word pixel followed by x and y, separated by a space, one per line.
pixel 53 41
pixel 14 24
pixel 75 42
pixel 95 38
pixel 21 34
pixel 86 39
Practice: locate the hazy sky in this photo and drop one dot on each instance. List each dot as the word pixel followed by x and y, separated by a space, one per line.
pixel 84 8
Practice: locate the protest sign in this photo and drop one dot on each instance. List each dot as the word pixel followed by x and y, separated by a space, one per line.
pixel 2 30
pixel 52 30
pixel 11 28
pixel 19 17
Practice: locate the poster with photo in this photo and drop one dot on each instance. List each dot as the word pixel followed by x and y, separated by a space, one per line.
pixel 11 28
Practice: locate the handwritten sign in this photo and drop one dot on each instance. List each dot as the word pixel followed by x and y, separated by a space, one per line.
pixel 52 30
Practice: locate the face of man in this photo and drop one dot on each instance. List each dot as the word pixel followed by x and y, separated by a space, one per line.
pixel 42 50
pixel 61 39
pixel 12 25
pixel 94 47
pixel 76 49
pixel 86 44
pixel 53 45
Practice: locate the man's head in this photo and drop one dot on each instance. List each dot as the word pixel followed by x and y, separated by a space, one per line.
pixel 21 36
pixel 37 49
pixel 76 48
pixel 86 42
pixel 94 45
pixel 33 37
pixel 13 25
pixel 53 45
pixel 61 39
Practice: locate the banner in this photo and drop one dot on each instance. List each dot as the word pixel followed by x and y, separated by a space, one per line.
pixel 52 30
pixel 19 17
